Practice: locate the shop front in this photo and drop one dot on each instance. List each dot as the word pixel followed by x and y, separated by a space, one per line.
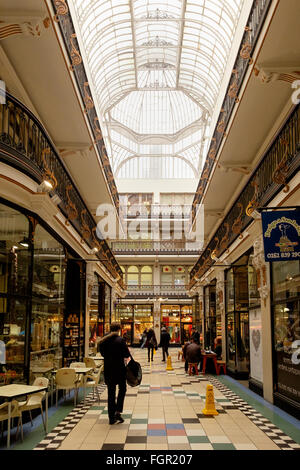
pixel 210 318
pixel 237 317
pixel 178 319
pixel 134 319
pixel 42 298
pixel 286 334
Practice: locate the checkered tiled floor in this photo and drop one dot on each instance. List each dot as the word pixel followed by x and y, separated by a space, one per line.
pixel 165 413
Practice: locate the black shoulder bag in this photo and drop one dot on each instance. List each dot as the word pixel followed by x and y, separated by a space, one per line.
pixel 133 373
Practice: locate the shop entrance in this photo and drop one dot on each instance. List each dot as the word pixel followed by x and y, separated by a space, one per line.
pixel 178 319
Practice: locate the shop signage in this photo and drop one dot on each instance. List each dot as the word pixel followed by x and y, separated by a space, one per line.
pixel 281 234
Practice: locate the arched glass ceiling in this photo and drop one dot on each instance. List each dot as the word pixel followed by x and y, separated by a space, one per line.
pixel 157 68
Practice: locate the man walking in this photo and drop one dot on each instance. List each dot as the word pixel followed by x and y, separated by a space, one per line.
pixel 195 335
pixel 114 350
pixel 164 342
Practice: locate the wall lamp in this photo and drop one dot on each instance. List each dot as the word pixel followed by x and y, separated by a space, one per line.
pixel 45 187
pixel 24 242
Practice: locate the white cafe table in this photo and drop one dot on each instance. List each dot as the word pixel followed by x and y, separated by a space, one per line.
pixel 9 392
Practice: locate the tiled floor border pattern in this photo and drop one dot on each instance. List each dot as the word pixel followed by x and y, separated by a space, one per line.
pixel 273 432
pixel 54 439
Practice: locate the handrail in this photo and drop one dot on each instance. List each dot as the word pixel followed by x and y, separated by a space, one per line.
pixel 25 144
pixel 253 29
pixel 152 246
pixel 280 162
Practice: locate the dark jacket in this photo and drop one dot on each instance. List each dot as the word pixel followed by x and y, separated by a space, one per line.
pixel 114 350
pixel 164 339
pixel 151 339
pixel 193 353
pixel 196 337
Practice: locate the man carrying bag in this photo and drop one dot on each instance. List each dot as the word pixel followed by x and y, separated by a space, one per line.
pixel 114 350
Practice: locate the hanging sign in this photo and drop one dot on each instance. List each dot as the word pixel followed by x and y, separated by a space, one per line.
pixel 281 234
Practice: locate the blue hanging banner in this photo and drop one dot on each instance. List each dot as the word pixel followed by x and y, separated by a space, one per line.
pixel 281 234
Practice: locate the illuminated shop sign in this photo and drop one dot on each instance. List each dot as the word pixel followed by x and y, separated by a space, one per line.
pixel 281 234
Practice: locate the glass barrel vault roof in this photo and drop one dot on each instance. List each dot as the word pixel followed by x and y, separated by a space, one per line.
pixel 157 68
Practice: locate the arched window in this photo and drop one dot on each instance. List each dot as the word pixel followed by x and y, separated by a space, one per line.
pixel 179 276
pixel 166 275
pixel 146 276
pixel 133 276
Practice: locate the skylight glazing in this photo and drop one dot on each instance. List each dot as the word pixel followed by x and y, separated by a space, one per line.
pixel 157 69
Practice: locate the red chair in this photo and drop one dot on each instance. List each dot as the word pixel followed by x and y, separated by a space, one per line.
pixel 191 366
pixel 221 364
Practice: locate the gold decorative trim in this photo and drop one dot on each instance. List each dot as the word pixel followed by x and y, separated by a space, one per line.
pixel 98 133
pixel 246 48
pixel 75 56
pixel 61 9
pixel 48 174
pixel 234 88
pixel 86 233
pixel 213 152
pixel 253 204
pixel 238 223
pixel 280 173
pixel 222 125
pixel 70 208
pixel 89 103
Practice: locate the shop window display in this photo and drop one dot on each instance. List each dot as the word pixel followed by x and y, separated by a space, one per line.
pixel 15 255
pixel 143 318
pixel 125 313
pixel 210 327
pixel 286 321
pixel 239 279
pixel 49 270
pixel 178 320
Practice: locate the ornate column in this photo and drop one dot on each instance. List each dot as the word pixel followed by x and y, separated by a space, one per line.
pixel 264 288
pixel 220 298
pixel 156 319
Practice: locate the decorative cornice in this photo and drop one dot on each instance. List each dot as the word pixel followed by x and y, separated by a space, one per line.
pixel 32 27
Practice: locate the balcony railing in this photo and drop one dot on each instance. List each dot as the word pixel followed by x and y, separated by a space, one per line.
pixel 156 211
pixel 64 20
pixel 170 247
pixel 157 291
pixel 253 29
pixel 25 145
pixel 277 167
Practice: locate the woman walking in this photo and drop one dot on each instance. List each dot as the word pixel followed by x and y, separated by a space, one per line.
pixel 151 343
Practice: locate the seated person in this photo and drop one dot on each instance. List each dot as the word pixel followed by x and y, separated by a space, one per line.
pixel 218 347
pixel 193 352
